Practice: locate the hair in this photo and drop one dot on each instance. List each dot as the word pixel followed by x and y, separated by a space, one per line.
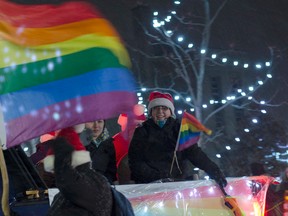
pixel 257 169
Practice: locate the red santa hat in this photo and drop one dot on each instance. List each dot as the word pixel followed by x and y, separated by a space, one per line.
pixel 161 99
pixel 139 117
pixel 79 156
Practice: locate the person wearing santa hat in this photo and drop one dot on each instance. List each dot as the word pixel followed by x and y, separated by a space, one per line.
pixel 122 140
pixel 152 147
pixel 82 190
pixel 80 155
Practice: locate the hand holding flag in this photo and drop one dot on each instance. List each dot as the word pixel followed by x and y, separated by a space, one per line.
pixel 189 134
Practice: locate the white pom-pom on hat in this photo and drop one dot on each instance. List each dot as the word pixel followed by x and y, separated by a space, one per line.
pixel 79 155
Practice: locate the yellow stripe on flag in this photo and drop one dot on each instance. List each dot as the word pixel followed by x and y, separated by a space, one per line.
pixel 17 55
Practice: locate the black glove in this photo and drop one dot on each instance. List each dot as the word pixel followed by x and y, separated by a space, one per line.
pixel 220 179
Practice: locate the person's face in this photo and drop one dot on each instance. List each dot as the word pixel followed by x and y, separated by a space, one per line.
pixel 160 113
pixel 96 126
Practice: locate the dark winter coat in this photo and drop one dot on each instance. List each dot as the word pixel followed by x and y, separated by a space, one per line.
pixel 82 190
pixel 104 158
pixel 151 153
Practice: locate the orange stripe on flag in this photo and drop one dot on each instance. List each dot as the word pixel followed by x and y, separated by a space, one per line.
pixel 42 36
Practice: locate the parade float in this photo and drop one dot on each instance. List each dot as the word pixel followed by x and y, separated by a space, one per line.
pixel 46 86
pixel 247 196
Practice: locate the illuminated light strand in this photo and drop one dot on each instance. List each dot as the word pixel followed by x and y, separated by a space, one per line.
pixel 224 60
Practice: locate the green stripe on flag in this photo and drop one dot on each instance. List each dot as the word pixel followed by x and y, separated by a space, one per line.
pixel 41 72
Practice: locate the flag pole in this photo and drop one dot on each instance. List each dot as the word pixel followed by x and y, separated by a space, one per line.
pixel 5 184
pixel 175 151
pixel 3 168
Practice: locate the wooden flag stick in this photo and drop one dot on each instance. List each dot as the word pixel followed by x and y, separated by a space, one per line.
pixel 5 185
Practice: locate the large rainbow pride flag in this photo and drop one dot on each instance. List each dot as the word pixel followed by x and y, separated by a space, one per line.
pixel 60 65
pixel 189 132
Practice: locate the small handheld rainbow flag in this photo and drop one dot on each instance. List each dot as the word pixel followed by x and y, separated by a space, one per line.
pixel 62 64
pixel 189 133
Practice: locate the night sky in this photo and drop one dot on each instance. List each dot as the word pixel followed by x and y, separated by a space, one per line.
pixel 253 27
pixel 250 26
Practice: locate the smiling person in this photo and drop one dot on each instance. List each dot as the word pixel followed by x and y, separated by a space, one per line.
pixel 152 147
pixel 101 148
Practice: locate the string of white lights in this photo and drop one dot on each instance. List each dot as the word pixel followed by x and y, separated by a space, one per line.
pixel 224 60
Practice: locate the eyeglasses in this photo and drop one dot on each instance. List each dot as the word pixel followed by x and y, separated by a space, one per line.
pixel 164 108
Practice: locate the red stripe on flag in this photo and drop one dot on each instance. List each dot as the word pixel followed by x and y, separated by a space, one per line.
pixel 46 15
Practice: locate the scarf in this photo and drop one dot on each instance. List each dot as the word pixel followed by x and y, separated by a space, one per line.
pixel 102 137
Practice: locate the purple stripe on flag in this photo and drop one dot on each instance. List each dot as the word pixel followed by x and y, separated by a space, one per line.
pixel 36 97
pixel 188 143
pixel 83 109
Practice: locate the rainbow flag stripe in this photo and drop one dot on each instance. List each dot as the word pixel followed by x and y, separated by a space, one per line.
pixel 189 133
pixel 62 65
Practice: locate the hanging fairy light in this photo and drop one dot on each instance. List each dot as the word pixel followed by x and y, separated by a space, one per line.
pixel 225 60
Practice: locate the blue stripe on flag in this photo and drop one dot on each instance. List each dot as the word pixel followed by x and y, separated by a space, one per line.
pixel 22 102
